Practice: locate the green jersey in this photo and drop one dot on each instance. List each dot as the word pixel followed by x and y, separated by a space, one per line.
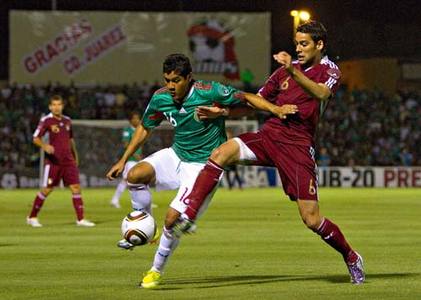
pixel 127 136
pixel 194 139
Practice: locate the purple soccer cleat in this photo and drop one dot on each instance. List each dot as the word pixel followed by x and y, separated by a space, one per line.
pixel 356 270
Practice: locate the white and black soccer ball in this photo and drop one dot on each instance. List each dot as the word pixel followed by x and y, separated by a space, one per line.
pixel 138 228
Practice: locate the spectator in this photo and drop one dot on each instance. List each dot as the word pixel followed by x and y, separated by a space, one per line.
pixel 324 158
pixel 386 134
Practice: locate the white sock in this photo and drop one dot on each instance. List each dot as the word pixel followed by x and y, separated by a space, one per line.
pixel 119 190
pixel 167 245
pixel 141 197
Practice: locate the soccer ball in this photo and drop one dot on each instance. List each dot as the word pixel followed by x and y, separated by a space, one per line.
pixel 138 228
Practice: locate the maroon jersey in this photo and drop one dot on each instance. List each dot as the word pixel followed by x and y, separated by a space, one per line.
pixel 281 89
pixel 60 133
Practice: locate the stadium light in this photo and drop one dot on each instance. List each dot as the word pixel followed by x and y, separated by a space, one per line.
pixel 299 16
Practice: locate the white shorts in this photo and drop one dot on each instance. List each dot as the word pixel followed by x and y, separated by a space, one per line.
pixel 171 173
pixel 127 167
pixel 245 152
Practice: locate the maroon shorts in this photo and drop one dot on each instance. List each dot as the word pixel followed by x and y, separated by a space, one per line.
pixel 295 164
pixel 54 173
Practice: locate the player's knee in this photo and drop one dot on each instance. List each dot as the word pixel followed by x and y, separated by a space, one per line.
pixel 221 156
pixel 75 188
pixel 46 191
pixel 141 173
pixel 216 154
pixel 132 177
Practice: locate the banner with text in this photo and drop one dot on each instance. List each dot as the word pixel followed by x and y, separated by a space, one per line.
pixel 340 177
pixel 125 47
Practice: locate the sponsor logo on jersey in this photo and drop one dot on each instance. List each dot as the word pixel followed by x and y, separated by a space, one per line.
pixel 182 111
pixel 225 91
pixel 202 86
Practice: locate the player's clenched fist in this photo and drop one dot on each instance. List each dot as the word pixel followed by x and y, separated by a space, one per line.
pixel 210 112
pixel 48 148
pixel 284 110
pixel 115 170
pixel 284 59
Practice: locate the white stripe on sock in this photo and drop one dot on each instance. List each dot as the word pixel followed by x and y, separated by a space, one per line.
pixel 212 164
pixel 321 225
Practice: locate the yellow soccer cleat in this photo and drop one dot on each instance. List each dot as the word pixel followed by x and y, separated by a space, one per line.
pixel 151 280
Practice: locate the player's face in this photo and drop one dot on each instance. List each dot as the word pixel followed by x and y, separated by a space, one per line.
pixel 56 107
pixel 135 120
pixel 177 85
pixel 308 52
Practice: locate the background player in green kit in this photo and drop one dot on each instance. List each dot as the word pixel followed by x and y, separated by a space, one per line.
pixel 134 120
pixel 198 131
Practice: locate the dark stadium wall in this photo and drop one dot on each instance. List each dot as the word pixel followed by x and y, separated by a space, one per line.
pixel 380 73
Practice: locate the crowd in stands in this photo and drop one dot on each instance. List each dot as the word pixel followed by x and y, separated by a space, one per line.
pixel 358 127
pixel 368 128
pixel 21 107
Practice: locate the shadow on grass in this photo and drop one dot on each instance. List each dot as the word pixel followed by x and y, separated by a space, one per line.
pixel 238 280
pixel 7 245
pixel 73 223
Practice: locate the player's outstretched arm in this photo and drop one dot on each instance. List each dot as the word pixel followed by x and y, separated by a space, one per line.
pixel 262 104
pixel 212 112
pixel 255 101
pixel 316 90
pixel 140 135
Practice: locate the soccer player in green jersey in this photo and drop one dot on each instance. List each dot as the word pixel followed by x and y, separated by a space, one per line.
pixel 193 108
pixel 134 120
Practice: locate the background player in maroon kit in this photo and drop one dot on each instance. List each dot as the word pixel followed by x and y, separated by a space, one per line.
pixel 287 144
pixel 60 161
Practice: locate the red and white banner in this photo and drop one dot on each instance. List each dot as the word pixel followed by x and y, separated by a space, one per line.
pixel 124 47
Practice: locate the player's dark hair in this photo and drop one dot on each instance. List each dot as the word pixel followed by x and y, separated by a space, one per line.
pixel 316 30
pixel 131 114
pixel 179 63
pixel 55 98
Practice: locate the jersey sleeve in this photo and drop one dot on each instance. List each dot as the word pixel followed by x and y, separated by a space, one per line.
pixel 226 95
pixel 270 89
pixel 331 78
pixel 41 129
pixel 152 116
pixel 138 151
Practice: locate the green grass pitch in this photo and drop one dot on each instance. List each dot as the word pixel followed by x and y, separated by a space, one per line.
pixel 250 244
